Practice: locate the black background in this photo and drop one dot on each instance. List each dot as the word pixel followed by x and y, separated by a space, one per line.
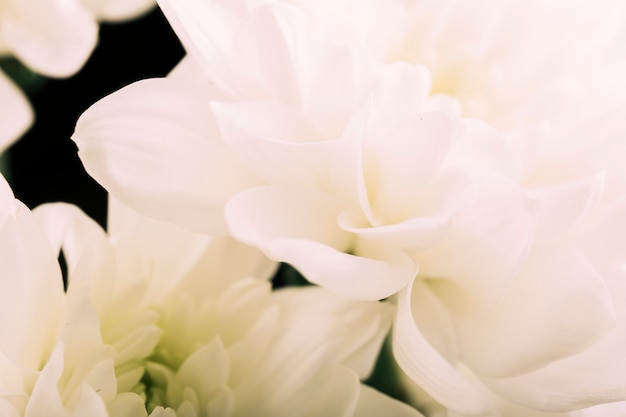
pixel 44 166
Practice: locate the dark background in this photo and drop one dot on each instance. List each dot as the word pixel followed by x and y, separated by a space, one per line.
pixel 43 164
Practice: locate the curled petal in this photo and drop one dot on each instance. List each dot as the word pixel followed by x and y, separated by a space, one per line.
pixel 428 368
pixel 299 226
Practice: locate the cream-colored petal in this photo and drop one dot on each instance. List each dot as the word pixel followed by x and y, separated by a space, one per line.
pixel 299 226
pixel 556 307
pixel 116 10
pixel 16 114
pixel 429 369
pixel 154 145
pixel 374 403
pixel 52 37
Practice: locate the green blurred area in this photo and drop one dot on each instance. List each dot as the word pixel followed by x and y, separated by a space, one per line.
pixel 21 75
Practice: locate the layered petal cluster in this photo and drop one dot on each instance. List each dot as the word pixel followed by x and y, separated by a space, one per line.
pixel 53 359
pixel 53 38
pixel 156 320
pixel 335 137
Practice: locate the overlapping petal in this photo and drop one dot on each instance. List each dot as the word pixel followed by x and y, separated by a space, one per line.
pixel 139 162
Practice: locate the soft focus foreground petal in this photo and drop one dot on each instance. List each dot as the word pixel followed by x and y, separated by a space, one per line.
pixel 374 403
pixel 53 37
pixel 559 207
pixel 114 10
pixel 299 227
pixel 155 146
pixel 556 307
pixel 362 325
pixel 16 114
pixel 426 367
pixel 31 292
pixel 591 377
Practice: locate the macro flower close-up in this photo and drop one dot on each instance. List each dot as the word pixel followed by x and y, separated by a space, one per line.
pixel 318 208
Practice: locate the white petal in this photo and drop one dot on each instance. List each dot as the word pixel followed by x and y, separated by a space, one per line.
pixel 86 248
pixel 361 325
pixel 53 37
pixel 338 397
pixel 556 307
pixel 278 143
pixel 115 10
pixel 431 371
pixel 403 161
pixel 401 91
pixel 488 242
pixel 559 207
pixel 46 398
pixel 16 114
pixel 594 376
pixel 205 30
pixel 263 48
pixel 154 145
pixel 374 403
pixel 299 226
pixel 32 287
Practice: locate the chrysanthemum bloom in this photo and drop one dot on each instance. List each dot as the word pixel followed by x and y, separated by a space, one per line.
pixel 192 311
pixel 346 168
pixel 53 38
pixel 229 346
pixel 344 165
pixel 53 360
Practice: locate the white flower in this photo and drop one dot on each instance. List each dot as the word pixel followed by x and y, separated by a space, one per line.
pixel 229 346
pixel 328 157
pixel 507 62
pixel 345 186
pixel 53 38
pixel 52 357
pixel 192 311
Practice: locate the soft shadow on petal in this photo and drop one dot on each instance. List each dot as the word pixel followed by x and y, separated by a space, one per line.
pixel 53 37
pixel 556 307
pixel 16 114
pixel 583 380
pixel 155 146
pixel 299 226
pixel 426 367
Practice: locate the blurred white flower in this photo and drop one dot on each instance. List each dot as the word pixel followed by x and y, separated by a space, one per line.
pixel 507 62
pixel 53 38
pixel 15 112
